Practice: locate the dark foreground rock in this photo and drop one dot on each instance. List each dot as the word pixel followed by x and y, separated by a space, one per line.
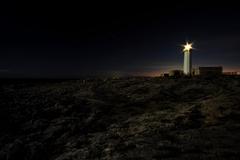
pixel 130 118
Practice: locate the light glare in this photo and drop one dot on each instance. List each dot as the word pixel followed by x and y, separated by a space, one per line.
pixel 187 47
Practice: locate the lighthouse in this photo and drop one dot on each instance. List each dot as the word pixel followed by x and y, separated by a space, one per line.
pixel 187 64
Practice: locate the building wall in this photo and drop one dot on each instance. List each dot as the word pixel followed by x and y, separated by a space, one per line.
pixel 195 71
pixel 230 73
pixel 210 70
pixel 176 73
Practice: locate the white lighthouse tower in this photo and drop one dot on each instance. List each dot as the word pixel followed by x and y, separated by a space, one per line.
pixel 187 66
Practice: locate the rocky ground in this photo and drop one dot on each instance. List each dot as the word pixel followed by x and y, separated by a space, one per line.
pixel 118 119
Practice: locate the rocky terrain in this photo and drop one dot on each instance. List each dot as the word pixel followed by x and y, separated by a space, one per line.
pixel 118 119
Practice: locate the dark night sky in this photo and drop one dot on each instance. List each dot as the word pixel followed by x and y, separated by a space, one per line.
pixel 69 39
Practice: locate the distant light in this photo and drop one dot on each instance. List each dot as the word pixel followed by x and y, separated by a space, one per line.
pixel 187 47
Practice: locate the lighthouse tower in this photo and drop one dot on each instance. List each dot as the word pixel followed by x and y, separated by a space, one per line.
pixel 187 64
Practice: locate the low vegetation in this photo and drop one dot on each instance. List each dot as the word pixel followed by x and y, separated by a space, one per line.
pixel 118 119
